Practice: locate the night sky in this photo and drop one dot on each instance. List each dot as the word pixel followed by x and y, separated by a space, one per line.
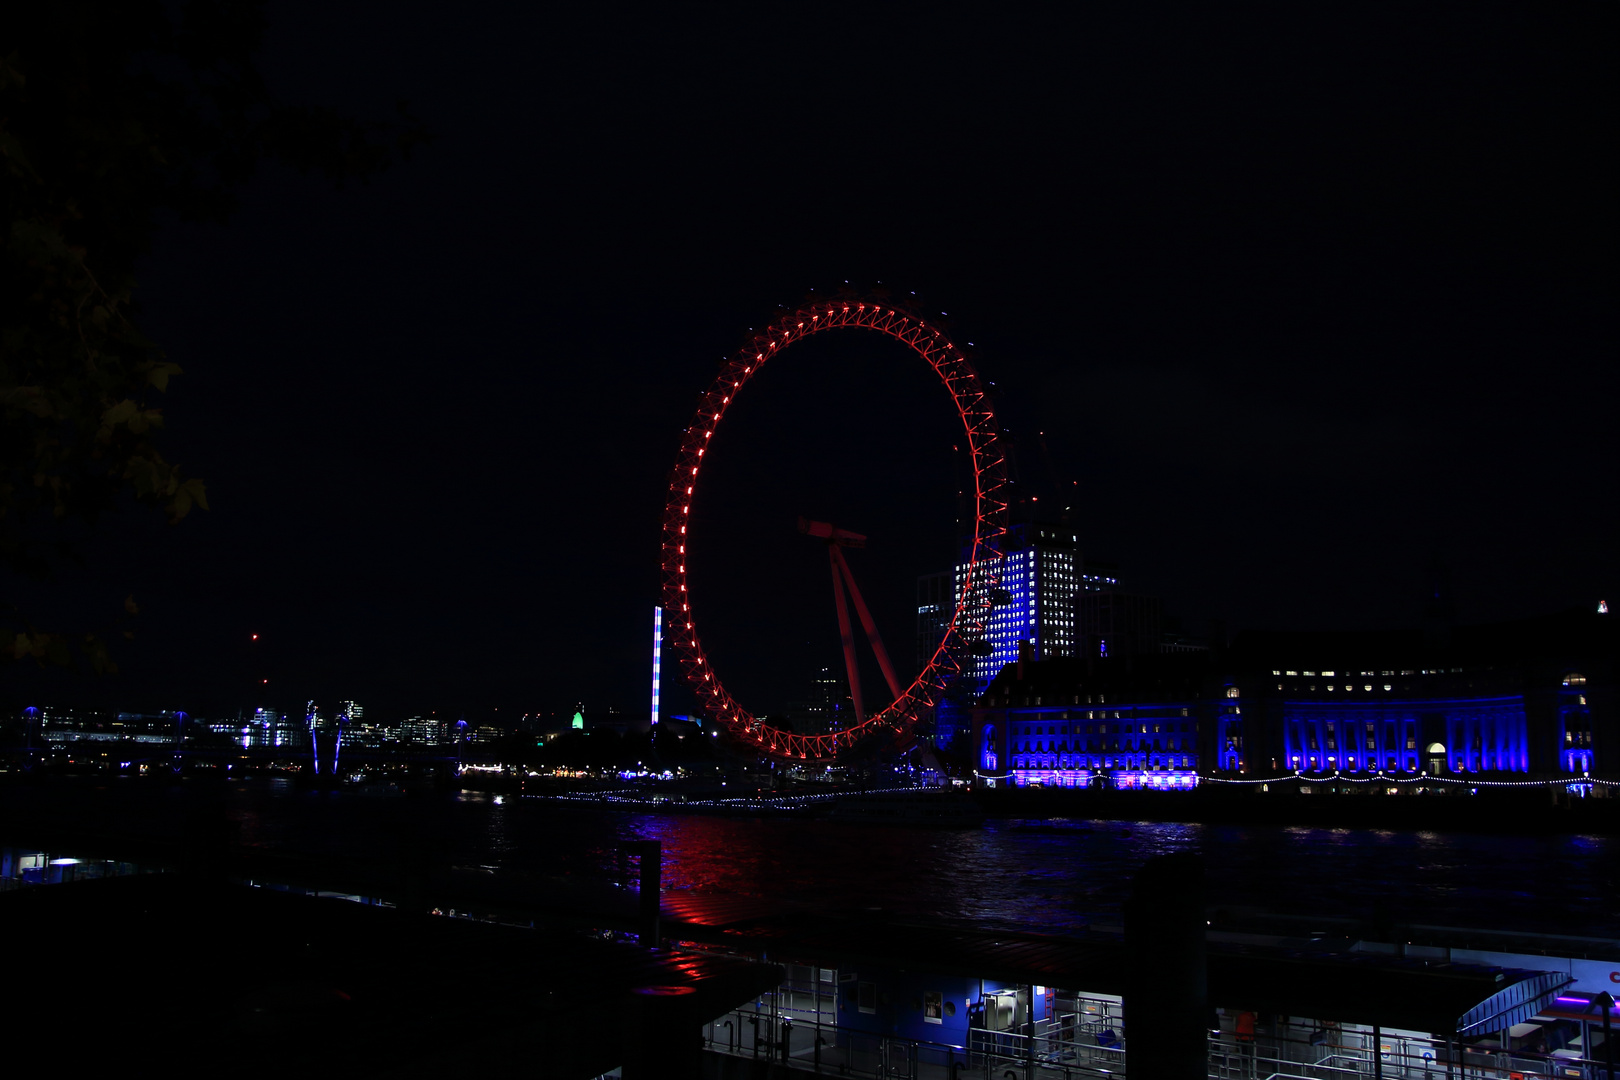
pixel 1304 297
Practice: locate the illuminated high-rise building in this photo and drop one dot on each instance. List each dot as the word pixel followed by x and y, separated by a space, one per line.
pixel 1042 575
pixel 421 731
pixel 1034 602
pixel 936 600
pixel 827 709
pixel 360 732
pixel 280 730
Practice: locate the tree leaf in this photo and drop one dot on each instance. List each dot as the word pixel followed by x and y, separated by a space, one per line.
pixel 118 414
pixel 159 375
pixel 198 491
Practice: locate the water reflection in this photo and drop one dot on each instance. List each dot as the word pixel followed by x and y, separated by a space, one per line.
pixel 1062 875
pixel 1051 874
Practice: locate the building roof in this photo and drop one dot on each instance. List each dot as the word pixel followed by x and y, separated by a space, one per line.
pixel 1148 677
pixel 1569 638
pixel 1406 992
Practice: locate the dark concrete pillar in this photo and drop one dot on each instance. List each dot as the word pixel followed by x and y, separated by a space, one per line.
pixel 1167 1011
pixel 1605 1003
pixel 650 854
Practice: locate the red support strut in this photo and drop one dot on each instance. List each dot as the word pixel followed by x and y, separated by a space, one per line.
pixel 847 633
pixel 867 623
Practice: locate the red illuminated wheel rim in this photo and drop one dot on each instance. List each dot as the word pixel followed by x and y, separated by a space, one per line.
pixel 967 625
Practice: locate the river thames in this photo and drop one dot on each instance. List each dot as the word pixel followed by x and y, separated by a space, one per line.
pixel 1053 874
pixel 1061 874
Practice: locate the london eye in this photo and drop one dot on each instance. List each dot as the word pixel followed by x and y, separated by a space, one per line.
pixel 978 579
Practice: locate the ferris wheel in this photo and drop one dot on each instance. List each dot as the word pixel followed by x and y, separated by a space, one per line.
pixel 978 580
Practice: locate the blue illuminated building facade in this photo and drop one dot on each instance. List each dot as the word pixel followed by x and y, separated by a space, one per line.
pixel 1460 735
pixel 1033 610
pixel 1034 600
pixel 1140 722
pixel 1529 701
pixel 1575 725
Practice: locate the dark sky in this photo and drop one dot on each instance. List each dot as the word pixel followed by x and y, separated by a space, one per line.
pixel 1303 296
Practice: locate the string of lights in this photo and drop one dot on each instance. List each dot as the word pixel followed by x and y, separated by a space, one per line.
pixel 1421 778
pixel 1378 778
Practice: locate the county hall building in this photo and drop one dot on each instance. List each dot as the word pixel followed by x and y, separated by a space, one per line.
pixel 1532 700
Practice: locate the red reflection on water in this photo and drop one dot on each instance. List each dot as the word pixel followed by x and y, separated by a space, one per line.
pixel 733 863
